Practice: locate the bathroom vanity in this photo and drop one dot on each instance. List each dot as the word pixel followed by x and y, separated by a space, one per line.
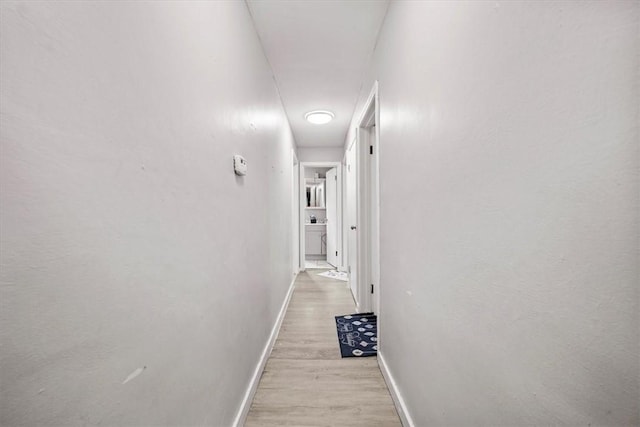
pixel 315 239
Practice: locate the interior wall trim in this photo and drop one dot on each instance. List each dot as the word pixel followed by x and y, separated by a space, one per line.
pixel 243 411
pixel 398 401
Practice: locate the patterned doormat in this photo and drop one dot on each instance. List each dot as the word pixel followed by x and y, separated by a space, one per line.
pixel 357 334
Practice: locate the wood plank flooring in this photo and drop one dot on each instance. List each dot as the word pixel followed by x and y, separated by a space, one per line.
pixel 305 381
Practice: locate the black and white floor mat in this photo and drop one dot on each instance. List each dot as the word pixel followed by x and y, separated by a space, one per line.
pixel 357 334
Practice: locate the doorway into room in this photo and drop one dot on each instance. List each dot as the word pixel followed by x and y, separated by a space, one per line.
pixel 320 215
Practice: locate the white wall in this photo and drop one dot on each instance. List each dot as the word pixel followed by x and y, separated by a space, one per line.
pixel 320 154
pixel 127 241
pixel 309 172
pixel 509 210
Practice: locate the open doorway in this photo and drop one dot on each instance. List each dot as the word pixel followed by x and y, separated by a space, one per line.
pixel 320 215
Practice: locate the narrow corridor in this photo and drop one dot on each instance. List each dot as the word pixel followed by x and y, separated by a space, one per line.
pixel 306 382
pixel 167 168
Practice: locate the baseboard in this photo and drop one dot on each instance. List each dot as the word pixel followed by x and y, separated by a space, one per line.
pixel 257 373
pixel 354 298
pixel 398 401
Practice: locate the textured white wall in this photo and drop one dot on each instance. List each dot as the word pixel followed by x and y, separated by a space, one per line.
pixel 309 172
pixel 320 154
pixel 509 210
pixel 127 241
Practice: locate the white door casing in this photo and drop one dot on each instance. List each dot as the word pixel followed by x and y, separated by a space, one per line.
pixel 295 213
pixel 302 205
pixel 372 235
pixel 331 185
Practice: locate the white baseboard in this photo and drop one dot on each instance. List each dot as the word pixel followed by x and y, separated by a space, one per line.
pixel 354 298
pixel 257 373
pixel 398 401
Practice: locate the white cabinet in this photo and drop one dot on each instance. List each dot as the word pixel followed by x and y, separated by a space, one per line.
pixel 314 242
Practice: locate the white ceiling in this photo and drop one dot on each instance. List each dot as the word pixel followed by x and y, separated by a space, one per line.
pixel 319 50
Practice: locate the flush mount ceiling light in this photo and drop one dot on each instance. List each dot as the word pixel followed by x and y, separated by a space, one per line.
pixel 319 117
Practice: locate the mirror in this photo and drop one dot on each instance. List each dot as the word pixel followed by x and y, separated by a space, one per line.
pixel 315 194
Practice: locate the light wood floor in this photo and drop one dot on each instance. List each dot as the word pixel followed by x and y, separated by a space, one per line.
pixel 306 382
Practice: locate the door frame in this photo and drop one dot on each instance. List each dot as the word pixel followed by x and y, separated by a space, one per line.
pixel 336 223
pixel 345 220
pixel 295 214
pixel 302 205
pixel 368 190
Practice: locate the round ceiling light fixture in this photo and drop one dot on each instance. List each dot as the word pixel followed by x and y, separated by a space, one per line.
pixel 319 117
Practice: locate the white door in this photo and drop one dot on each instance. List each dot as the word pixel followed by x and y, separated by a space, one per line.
pixel 332 216
pixel 352 218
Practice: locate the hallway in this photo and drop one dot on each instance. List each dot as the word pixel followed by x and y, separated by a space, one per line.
pixel 154 164
pixel 306 382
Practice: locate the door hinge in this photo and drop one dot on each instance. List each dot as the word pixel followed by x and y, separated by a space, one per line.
pixel 372 288
pixel 336 253
pixel 371 149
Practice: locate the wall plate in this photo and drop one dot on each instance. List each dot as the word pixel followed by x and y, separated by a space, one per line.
pixel 239 165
